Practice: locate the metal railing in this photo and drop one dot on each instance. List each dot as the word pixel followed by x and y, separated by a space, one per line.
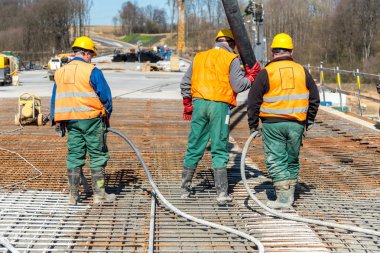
pixel 356 74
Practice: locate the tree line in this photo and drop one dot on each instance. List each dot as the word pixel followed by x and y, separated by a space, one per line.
pixel 335 32
pixel 35 29
pixel 135 19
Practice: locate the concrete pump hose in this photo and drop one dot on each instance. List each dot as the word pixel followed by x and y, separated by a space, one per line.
pixel 176 210
pixel 288 216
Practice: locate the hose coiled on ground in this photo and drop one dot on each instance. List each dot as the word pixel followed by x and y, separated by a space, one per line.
pixel 287 216
pixel 176 210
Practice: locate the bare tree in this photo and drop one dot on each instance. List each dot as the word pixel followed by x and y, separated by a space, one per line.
pixel 36 28
pixel 147 19
pixel 173 11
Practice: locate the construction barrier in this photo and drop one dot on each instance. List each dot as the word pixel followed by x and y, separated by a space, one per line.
pixel 336 76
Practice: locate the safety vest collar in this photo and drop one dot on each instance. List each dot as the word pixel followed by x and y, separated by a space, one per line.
pixel 225 47
pixel 282 58
pixel 77 58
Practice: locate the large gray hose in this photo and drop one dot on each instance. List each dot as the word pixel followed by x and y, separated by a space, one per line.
pixel 176 210
pixel 235 20
pixel 287 216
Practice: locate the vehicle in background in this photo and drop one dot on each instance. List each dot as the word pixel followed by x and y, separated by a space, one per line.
pixel 5 71
pixel 142 55
pixel 56 62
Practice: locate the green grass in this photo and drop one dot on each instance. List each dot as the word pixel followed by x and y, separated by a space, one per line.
pixel 147 40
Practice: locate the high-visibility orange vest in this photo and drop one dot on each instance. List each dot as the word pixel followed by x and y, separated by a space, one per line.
pixel 75 98
pixel 211 76
pixel 288 96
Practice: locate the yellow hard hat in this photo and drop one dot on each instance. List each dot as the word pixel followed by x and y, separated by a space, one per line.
pixel 225 33
pixel 84 42
pixel 282 40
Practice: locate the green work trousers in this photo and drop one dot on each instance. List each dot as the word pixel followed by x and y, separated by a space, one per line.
pixel 282 142
pixel 87 135
pixel 210 121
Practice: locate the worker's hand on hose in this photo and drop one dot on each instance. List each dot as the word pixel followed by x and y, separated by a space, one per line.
pixel 251 73
pixel 255 130
pixel 187 108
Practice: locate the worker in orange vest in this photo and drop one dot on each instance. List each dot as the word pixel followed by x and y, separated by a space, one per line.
pixel 286 99
pixel 82 100
pixel 209 90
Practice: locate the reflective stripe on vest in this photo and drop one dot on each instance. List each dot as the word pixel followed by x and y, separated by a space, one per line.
pixel 77 94
pixel 72 109
pixel 75 97
pixel 288 96
pixel 211 76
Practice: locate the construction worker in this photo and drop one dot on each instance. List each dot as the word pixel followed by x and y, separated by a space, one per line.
pixel 286 99
pixel 82 100
pixel 209 90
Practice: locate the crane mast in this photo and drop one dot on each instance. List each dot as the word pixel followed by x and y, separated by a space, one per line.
pixel 256 12
pixel 181 27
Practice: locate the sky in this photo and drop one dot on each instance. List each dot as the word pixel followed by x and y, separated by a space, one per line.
pixel 102 11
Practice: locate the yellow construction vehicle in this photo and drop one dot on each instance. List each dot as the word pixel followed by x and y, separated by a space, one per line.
pixel 9 68
pixel 5 71
pixel 29 110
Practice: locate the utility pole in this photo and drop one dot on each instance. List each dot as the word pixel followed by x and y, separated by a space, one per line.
pixel 181 28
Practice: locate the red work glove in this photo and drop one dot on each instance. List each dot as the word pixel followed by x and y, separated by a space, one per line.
pixel 187 108
pixel 251 73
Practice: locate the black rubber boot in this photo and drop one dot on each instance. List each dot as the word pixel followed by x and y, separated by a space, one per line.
pixel 73 180
pixel 100 195
pixel 221 185
pixel 187 176
pixel 284 196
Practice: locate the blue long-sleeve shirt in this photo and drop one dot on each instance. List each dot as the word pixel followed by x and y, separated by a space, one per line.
pixel 100 86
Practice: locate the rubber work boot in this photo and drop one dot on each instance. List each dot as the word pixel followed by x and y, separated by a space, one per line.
pixel 73 180
pixel 284 196
pixel 100 195
pixel 187 176
pixel 292 185
pixel 221 185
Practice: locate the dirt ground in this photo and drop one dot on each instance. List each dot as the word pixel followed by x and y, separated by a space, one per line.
pixel 103 31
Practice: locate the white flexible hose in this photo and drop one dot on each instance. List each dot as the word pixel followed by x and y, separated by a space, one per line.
pixel 26 180
pixel 287 216
pixel 11 131
pixel 176 210
pixel 7 245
